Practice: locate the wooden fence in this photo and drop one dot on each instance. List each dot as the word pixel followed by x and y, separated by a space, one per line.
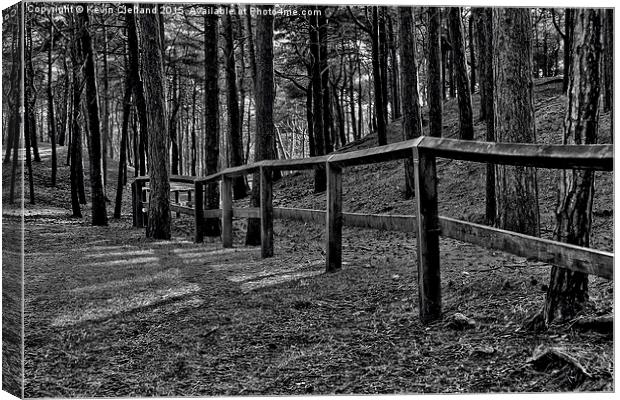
pixel 427 224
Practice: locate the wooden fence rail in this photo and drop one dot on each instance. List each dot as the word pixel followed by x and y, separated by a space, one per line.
pixel 427 224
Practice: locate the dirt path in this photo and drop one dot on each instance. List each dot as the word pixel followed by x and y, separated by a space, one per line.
pixel 109 313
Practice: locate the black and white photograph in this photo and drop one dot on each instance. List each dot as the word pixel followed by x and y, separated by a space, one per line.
pixel 310 199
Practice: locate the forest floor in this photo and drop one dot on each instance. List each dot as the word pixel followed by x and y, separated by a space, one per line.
pixel 110 313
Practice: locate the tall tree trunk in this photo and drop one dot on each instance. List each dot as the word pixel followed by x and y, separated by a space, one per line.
pixel 98 200
pixel 320 181
pixel 484 28
pixel 435 106
pixel 153 74
pixel 105 125
pixel 396 107
pixel 264 96
pixel 568 290
pixel 354 127
pixel 466 119
pixel 212 226
pixel 328 118
pixel 472 52
pixel 31 94
pixel 50 106
pixel 412 118
pixel 122 160
pixel 235 144
pixel 138 94
pixel 514 122
pixel 193 133
pixel 569 22
pixel 172 125
pixel 377 79
pixel 383 62
pixel 608 62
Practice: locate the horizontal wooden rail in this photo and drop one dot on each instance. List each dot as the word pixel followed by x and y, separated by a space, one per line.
pixel 596 157
pixel 575 258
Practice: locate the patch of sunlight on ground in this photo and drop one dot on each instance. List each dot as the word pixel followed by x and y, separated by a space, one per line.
pixel 119 305
pixel 275 280
pixel 122 283
pixel 121 254
pixel 45 212
pixel 134 261
pixel 103 248
pixel 229 267
pixel 275 271
pixel 193 251
pixel 180 306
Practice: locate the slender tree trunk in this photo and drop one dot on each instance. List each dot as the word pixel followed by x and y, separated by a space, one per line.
pixel 31 95
pixel 396 107
pixel 484 28
pixel 212 226
pixel 472 52
pixel 569 22
pixel 193 148
pixel 98 200
pixel 328 118
pixel 320 181
pixel 466 119
pixel 435 105
pixel 138 95
pixel 514 122
pixel 412 117
pixel 122 162
pixel 264 95
pixel 568 290
pixel 50 107
pixel 608 62
pixel 235 146
pixel 105 125
pixel 377 79
pixel 172 125
pixel 383 62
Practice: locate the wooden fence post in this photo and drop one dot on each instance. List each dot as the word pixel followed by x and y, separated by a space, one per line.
pixel 134 202
pixel 226 193
pixel 429 279
pixel 176 200
pixel 266 212
pixel 334 217
pixel 198 212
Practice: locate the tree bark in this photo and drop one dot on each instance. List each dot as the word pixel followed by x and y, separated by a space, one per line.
pixel 50 107
pixel 396 104
pixel 484 28
pixel 568 290
pixel 608 62
pixel 153 74
pixel 514 122
pixel 264 97
pixel 98 200
pixel 122 160
pixel 172 125
pixel 472 51
pixel 377 79
pixel 466 120
pixel 134 70
pixel 212 226
pixel 435 97
pixel 320 181
pixel 235 144
pixel 412 117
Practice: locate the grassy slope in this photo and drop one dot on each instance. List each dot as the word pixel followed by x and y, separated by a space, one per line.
pixel 109 313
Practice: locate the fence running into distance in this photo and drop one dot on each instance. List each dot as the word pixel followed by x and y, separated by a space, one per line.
pixel 427 224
